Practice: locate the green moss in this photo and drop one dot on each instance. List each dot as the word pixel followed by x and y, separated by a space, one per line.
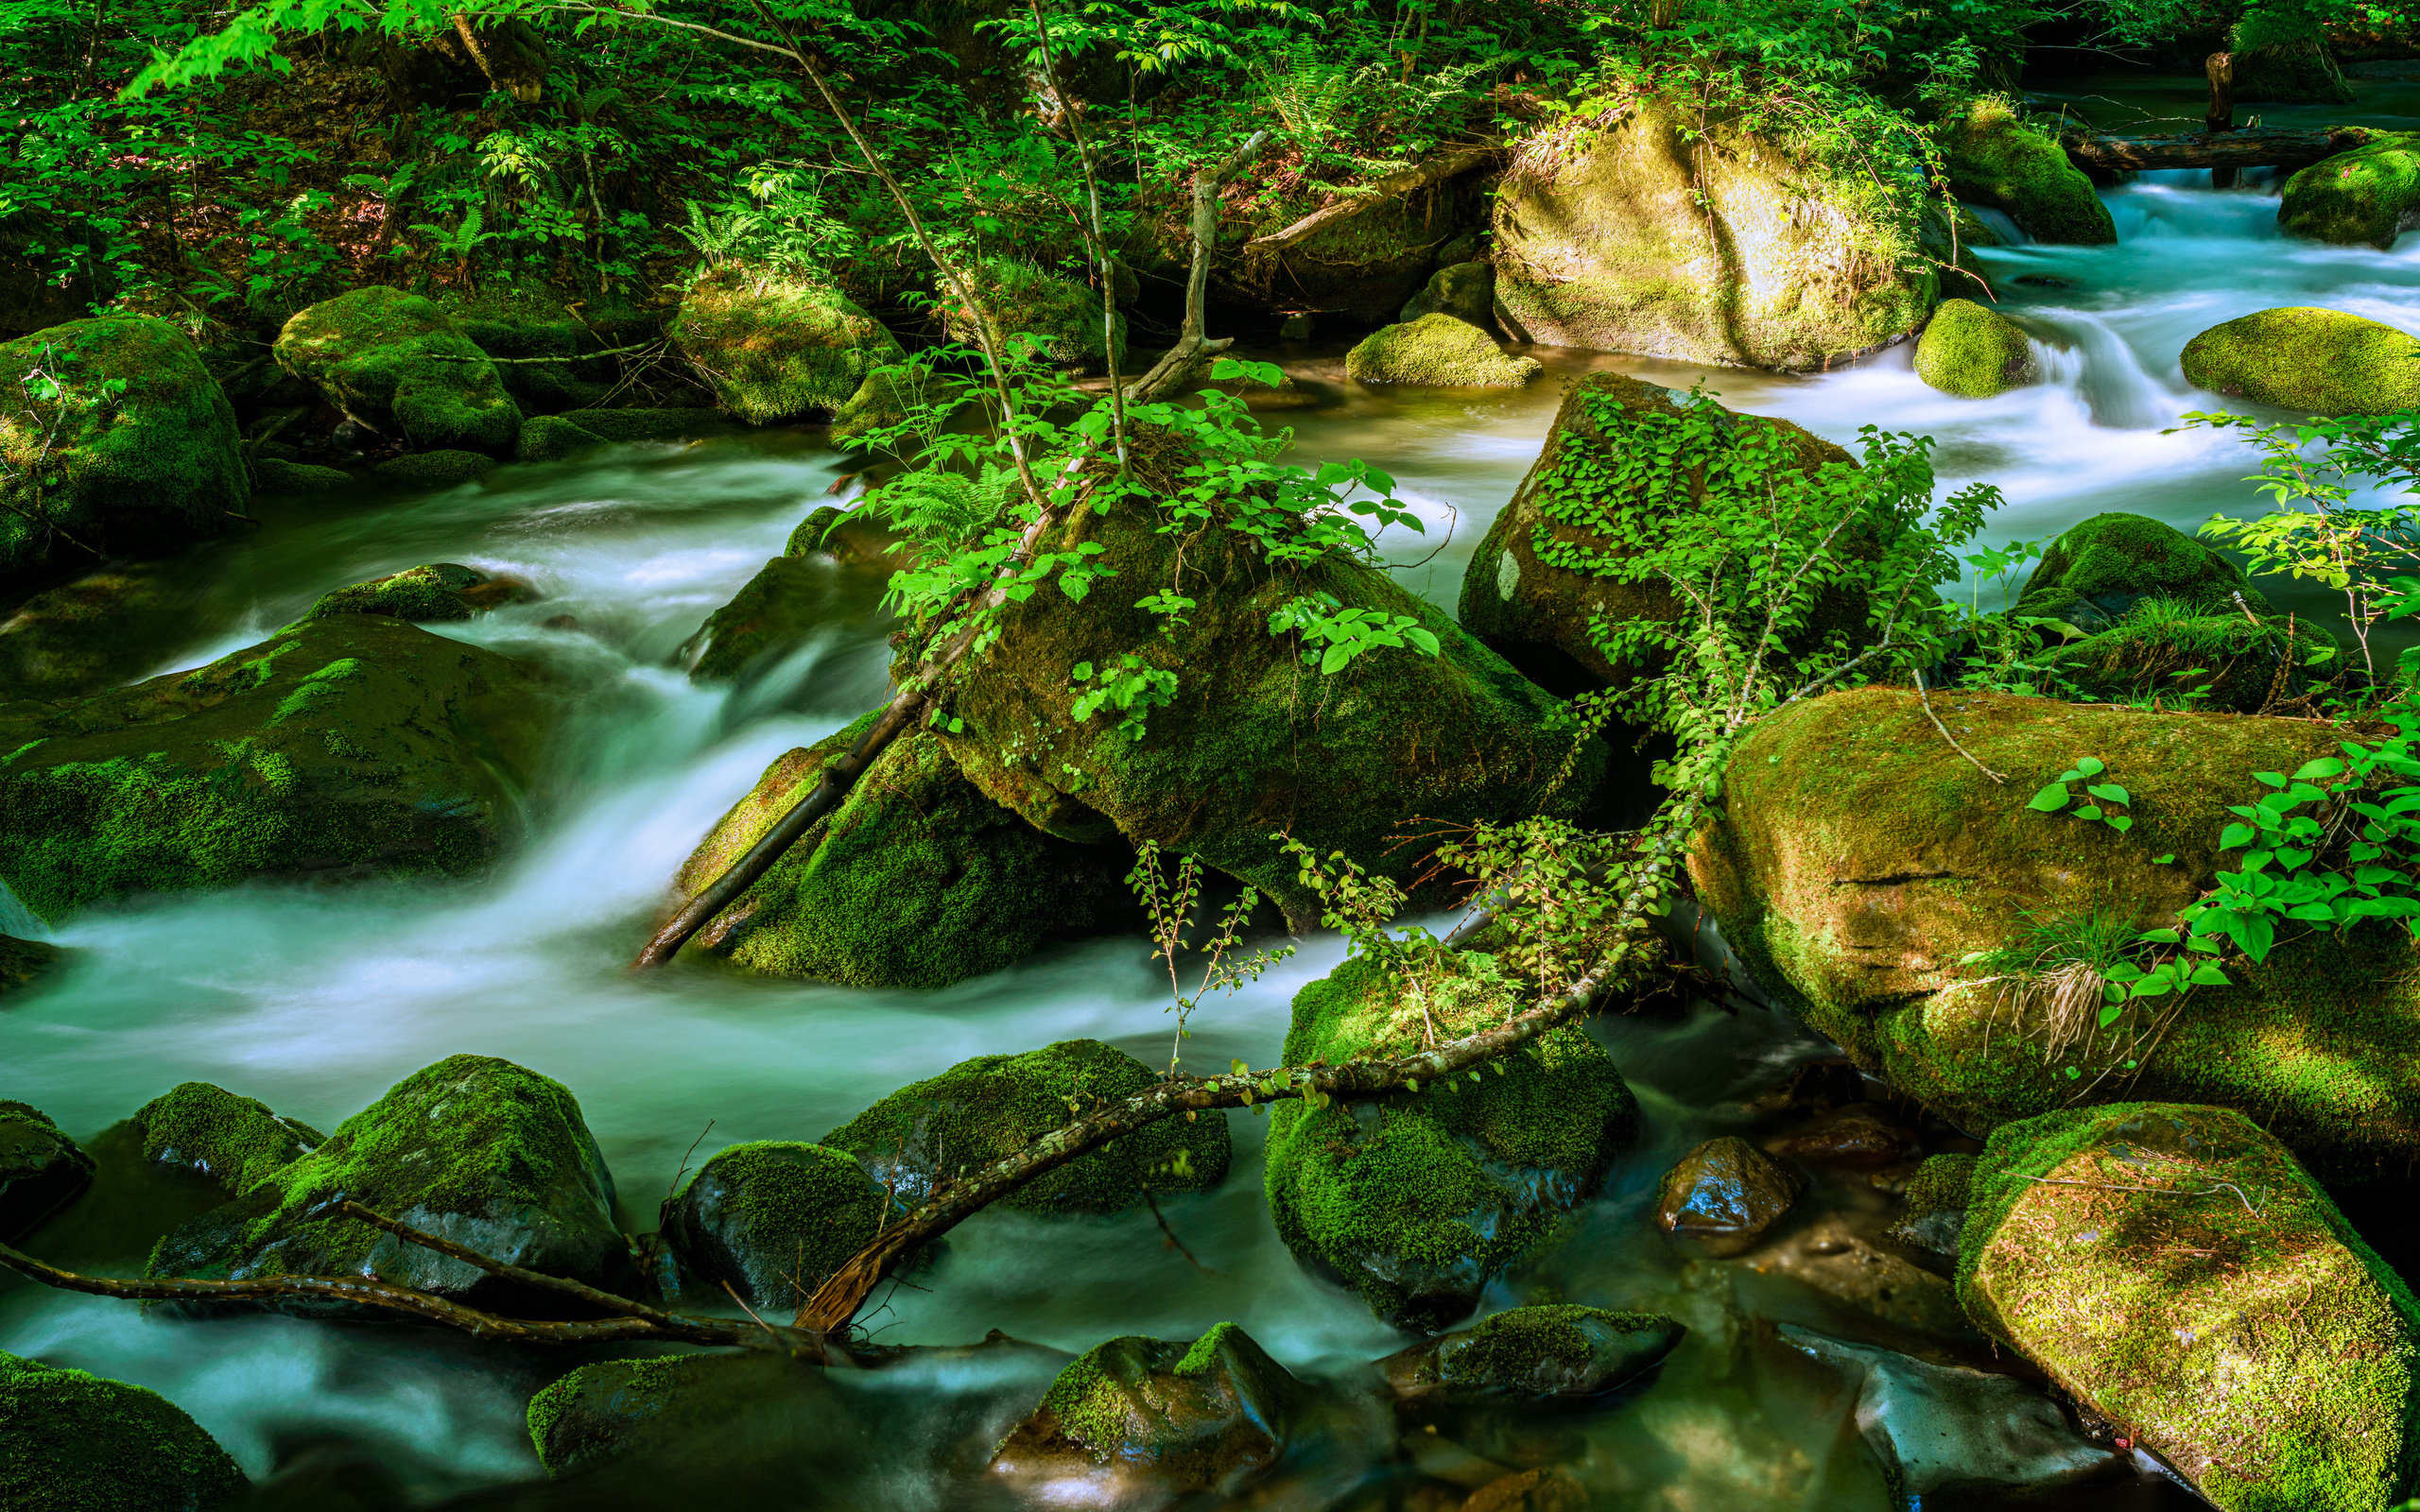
pixel 1202 1354
pixel 237 1141
pixel 2110 564
pixel 1438 349
pixel 2300 72
pixel 432 593
pixel 2322 362
pixel 1463 290
pixel 2228 1318
pixel 41 1168
pixel 775 348
pixel 76 1442
pixel 1063 314
pixel 658 1410
pixel 395 363
pixel 1512 1346
pixel 773 1219
pixel 552 438
pixel 1191 1417
pixel 1995 160
pixel 2170 655
pixel 276 475
pixel 1940 1185
pixel 2361 198
pixel 434 470
pixel 1975 353
pixel 648 424
pixel 1417 1199
pixel 94 633
pixel 993 1105
pixel 772 613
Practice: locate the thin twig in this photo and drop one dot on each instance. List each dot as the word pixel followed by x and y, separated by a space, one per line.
pixel 1925 698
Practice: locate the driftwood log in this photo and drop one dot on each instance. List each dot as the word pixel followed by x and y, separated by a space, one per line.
pixel 1393 186
pixel 2268 146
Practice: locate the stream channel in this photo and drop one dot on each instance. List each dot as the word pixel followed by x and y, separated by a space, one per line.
pixel 317 1001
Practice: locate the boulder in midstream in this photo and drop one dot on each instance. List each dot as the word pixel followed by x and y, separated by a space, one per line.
pixel 1723 1195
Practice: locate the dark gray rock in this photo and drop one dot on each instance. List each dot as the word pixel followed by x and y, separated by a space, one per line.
pixel 1724 1196
pixel 41 1169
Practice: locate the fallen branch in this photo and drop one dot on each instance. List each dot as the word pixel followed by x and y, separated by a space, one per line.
pixel 2268 146
pixel 577 357
pixel 1393 186
pixel 1192 345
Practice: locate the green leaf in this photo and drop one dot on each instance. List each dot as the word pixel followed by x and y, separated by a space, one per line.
pixel 2236 836
pixel 2112 1014
pixel 2206 974
pixel 2088 813
pixel 2109 793
pixel 2160 861
pixel 2074 1075
pixel 2318 767
pixel 2089 767
pixel 2119 822
pixel 2051 799
pixel 2272 779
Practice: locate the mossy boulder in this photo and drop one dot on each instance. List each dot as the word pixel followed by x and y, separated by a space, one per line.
pixel 2174 1269
pixel 435 593
pixel 553 438
pixel 773 615
pixel 282 476
pixel 95 632
pixel 1417 1200
pixel 41 1169
pixel 1936 1202
pixel 1997 160
pixel 114 441
pixel 916 880
pixel 1466 291
pixel 551 348
pixel 776 349
pixel 1669 236
pixel 2166 650
pixel 1912 910
pixel 236 1141
pixel 1138 1421
pixel 75 1442
pixel 771 1220
pixel 434 470
pixel 2367 196
pixel 395 363
pixel 1724 1196
pixel 648 424
pixel 478 1150
pixel 1534 1354
pixel 1975 353
pixel 1441 350
pixel 2319 362
pixel 2102 568
pixel 745 1414
pixel 24 962
pixel 350 747
pixel 1024 300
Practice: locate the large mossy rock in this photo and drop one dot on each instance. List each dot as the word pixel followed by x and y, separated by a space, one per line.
pixel 1063 315
pixel 435 593
pixel 237 1141
pixel 1719 247
pixel 1912 909
pixel 1994 159
pixel 114 441
pixel 1256 740
pixel 776 349
pixel 2319 362
pixel 982 1110
pixel 94 633
pixel 1441 350
pixel 2367 196
pixel 759 1418
pixel 475 1149
pixel 771 1220
pixel 2173 1268
pixel 550 349
pixel 41 1169
pixel 350 747
pixel 397 365
pixel 916 880
pixel 1975 353
pixel 75 1442
pixel 1417 1200
pixel 773 615
pixel 2104 568
pixel 1463 290
pixel 1557 1352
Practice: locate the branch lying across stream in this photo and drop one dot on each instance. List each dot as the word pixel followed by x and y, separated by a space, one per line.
pixel 1393 186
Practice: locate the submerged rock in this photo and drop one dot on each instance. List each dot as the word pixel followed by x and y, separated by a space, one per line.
pixel 2175 1270
pixel 1466 291
pixel 1975 353
pixel 434 470
pixel 349 747
pixel 770 616
pixel 1995 160
pixel 473 1149
pixel 41 1169
pixel 982 1110
pixel 773 1219
pixel 2322 362
pixel 1023 299
pixel 236 1141
pixel 1936 1204
pixel 24 962
pixel 1723 1195
pixel 1418 1199
pixel 94 633
pixel 1443 350
pixel 76 1442
pixel 117 442
pixel 1533 1354
pixel 552 438
pixel 396 365
pixel 728 1410
pixel 775 348
pixel 2367 196
pixel 439 592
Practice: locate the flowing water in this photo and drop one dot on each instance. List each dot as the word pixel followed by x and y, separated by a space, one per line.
pixel 316 1001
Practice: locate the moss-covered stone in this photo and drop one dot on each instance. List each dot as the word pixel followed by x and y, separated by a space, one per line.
pixel 396 365
pixel 1996 161
pixel 41 1169
pixel 2219 660
pixel 993 1105
pixel 2102 568
pixel 1024 300
pixel 434 594
pixel 75 1442
pixel 349 747
pixel 552 438
pixel 2367 196
pixel 1443 351
pixel 1416 1200
pixel 434 470
pixel 95 632
pixel 282 476
pixel 473 1148
pixel 1535 1353
pixel 236 1141
pixel 2174 1269
pixel 1466 291
pixel 772 1220
pixel 24 962
pixel 916 880
pixel 2322 362
pixel 1936 1204
pixel 550 348
pixel 1905 906
pixel 747 1413
pixel 1975 353
pixel 1722 1196
pixel 649 425
pixel 116 441
pixel 775 348
pixel 1720 247
pixel 773 615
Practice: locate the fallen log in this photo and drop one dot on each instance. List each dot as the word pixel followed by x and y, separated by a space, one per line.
pixel 2265 146
pixel 1393 186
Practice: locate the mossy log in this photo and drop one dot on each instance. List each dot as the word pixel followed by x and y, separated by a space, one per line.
pixel 2266 146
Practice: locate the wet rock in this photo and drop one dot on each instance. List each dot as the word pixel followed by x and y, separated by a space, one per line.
pixel 278 476
pixel 397 365
pixel 1936 1204
pixel 549 349
pixel 434 470
pixel 775 348
pixel 1138 1420
pixel 1416 1200
pixel 552 438
pixel 2191 646
pixel 2177 1271
pixel 1975 353
pixel 41 1169
pixel 1533 1354
pixel 1024 300
pixel 137 446
pixel 2367 196
pixel 1852 1139
pixel 435 593
pixel 1611 251
pixel 993 1105
pixel 2100 570
pixel 1466 291
pixel 678 1408
pixel 1995 160
pixel 1724 1195
pixel 1443 351
pixel 237 1141
pixel 2315 361
pixel 331 1478
pixel 1831 1258
pixel 772 1220
pixel 475 1149
pixel 1550 1489
pixel 772 615
pixel 1941 1433
pixel 1296 328
pixel 915 880
pixel 94 633
pixel 349 747
pixel 77 1442
pixel 24 962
